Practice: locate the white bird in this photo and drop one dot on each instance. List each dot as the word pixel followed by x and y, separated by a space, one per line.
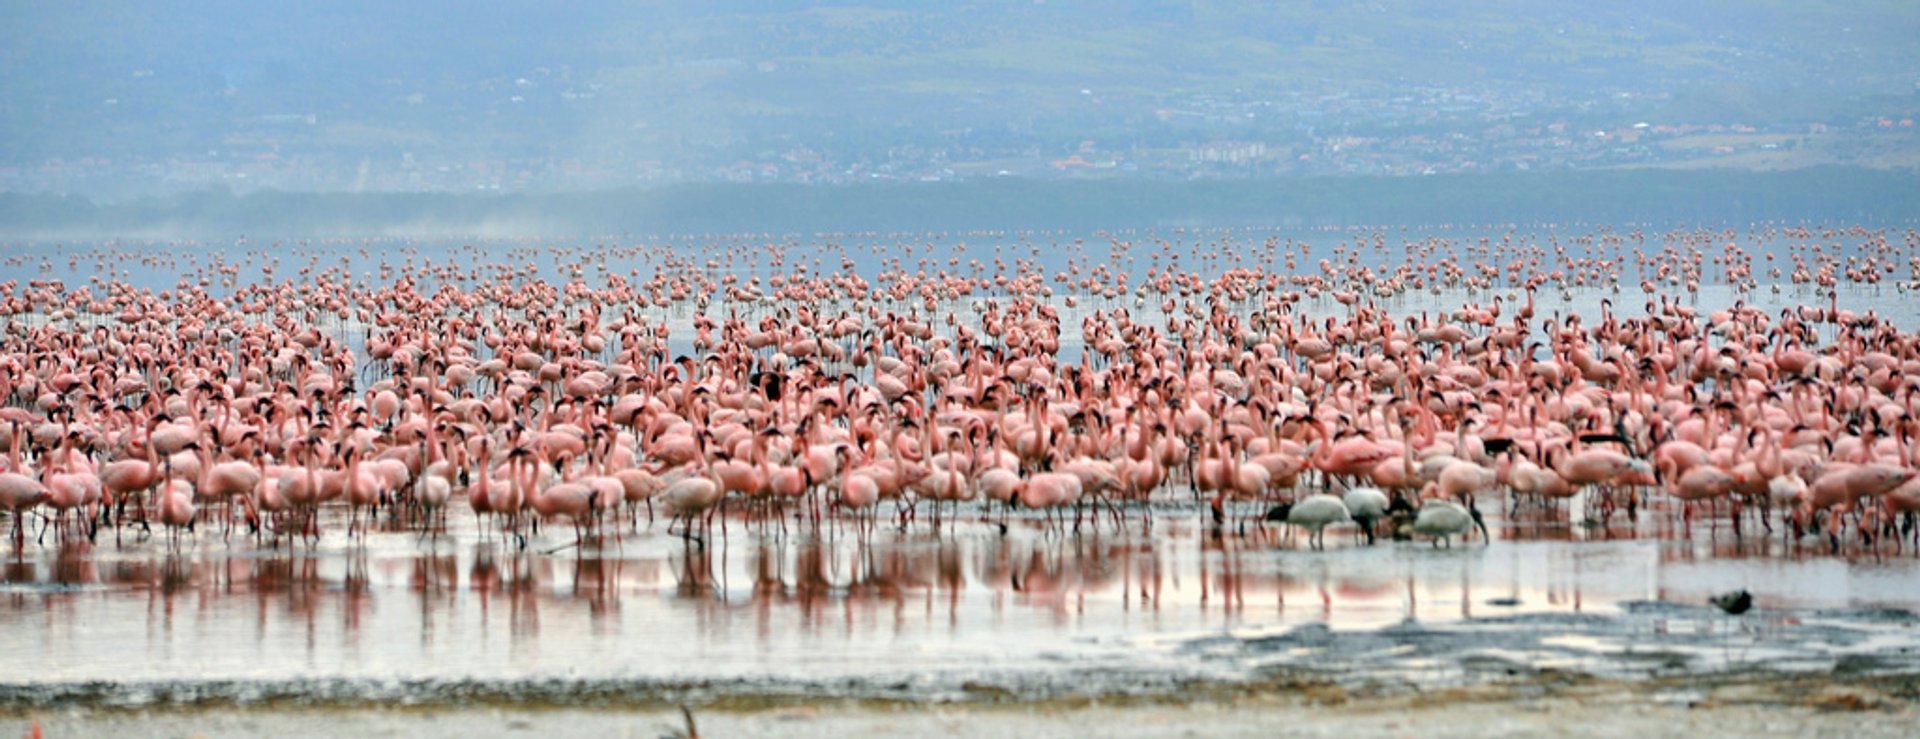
pixel 1313 514
pixel 435 491
pixel 1445 519
pixel 690 497
pixel 1786 490
pixel 1366 505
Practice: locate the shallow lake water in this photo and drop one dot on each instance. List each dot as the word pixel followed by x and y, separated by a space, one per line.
pixel 959 612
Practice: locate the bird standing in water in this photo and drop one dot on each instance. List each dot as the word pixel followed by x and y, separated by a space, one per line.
pixel 1314 514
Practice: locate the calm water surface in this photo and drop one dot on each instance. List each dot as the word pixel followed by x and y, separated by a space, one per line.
pixel 927 612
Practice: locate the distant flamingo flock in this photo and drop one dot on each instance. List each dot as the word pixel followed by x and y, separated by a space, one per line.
pixel 777 381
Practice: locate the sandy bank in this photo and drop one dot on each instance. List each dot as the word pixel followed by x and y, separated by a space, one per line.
pixel 1578 707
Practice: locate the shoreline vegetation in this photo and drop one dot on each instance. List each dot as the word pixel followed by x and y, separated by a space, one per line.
pixel 1707 197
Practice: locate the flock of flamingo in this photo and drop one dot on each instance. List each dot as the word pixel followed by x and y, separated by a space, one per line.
pixel 751 378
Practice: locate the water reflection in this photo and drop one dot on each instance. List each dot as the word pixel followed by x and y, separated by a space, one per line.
pixel 821 604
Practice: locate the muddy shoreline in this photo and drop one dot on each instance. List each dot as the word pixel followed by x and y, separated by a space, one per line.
pixel 1549 702
pixel 1841 689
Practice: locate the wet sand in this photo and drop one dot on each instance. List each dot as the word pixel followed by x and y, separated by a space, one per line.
pixel 1553 705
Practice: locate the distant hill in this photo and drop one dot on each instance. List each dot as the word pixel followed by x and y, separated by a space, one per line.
pixel 375 95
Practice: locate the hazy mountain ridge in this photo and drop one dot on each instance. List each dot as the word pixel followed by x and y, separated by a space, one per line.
pixel 438 95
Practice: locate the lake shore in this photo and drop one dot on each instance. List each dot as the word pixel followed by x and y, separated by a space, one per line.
pixel 1545 704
